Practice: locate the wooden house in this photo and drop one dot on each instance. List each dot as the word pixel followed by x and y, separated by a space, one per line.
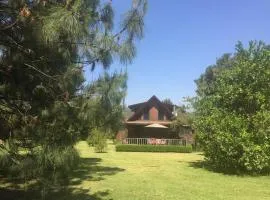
pixel 150 119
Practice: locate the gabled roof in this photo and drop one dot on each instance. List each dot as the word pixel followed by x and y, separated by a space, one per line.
pixel 134 107
pixel 139 108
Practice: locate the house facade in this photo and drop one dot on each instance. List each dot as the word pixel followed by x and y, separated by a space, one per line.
pixel 151 119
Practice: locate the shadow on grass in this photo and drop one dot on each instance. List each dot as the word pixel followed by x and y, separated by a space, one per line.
pixel 78 194
pixel 207 166
pixel 64 194
pixel 89 169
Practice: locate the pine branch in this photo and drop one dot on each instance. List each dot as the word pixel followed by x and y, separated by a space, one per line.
pixel 125 27
pixel 13 156
pixel 10 25
pixel 41 72
pixel 12 106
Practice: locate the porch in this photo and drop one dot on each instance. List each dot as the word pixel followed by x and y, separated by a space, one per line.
pixel 150 129
pixel 154 141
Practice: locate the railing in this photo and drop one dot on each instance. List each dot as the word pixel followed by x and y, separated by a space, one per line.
pixel 154 141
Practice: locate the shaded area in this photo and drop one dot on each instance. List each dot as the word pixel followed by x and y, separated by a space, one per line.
pixel 79 194
pixel 11 194
pixel 202 164
pixel 64 194
pixel 89 169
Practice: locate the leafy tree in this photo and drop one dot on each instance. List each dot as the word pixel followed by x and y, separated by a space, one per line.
pixel 103 107
pixel 44 46
pixel 98 139
pixel 183 122
pixel 233 112
pixel 181 109
pixel 127 112
pixel 168 101
pixel 206 80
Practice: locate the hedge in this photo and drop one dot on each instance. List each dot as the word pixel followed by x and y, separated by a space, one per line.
pixel 153 148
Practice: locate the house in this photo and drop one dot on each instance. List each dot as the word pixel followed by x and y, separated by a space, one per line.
pixel 151 119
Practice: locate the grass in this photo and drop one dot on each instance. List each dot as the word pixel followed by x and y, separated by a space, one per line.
pixel 165 176
pixel 143 176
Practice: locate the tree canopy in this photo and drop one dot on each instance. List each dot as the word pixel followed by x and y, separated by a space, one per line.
pixel 45 104
pixel 233 110
pixel 168 101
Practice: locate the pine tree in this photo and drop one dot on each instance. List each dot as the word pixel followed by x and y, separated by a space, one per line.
pixel 44 48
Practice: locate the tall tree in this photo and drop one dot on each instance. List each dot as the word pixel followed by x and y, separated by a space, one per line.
pixel 232 120
pixel 206 80
pixel 168 101
pixel 103 107
pixel 44 47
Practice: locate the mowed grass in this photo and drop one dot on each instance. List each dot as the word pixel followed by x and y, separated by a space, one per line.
pixel 122 175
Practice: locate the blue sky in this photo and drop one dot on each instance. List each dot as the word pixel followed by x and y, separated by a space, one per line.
pixel 183 37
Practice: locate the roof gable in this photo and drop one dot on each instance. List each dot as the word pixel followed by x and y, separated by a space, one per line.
pixel 134 107
pixel 139 108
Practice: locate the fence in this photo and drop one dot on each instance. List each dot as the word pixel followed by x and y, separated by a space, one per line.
pixel 154 141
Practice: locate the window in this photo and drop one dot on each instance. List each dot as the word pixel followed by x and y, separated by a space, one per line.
pixel 160 115
pixel 146 115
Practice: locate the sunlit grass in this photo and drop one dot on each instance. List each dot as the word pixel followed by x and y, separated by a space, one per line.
pixel 122 175
pixel 146 176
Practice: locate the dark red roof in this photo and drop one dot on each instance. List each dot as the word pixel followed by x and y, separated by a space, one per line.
pixel 134 107
pixel 139 107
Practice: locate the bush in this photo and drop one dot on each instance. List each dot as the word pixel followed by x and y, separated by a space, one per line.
pixel 101 146
pixel 98 139
pixel 233 111
pixel 153 148
pixel 232 146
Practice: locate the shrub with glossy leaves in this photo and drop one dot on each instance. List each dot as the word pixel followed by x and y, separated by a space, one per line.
pixel 233 111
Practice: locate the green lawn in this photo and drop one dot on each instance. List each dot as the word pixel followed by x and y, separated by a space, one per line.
pixel 153 176
pixel 121 175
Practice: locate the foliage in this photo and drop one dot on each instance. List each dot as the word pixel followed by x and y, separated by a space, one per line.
pixel 98 139
pixel 205 82
pixel 41 162
pixel 233 111
pixel 182 124
pixel 104 109
pixel 127 112
pixel 168 101
pixel 101 145
pixel 45 105
pixel 153 148
pixel 183 121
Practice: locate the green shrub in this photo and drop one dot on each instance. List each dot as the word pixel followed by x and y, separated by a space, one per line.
pixel 101 146
pixel 233 111
pixel 153 148
pixel 115 142
pixel 98 139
